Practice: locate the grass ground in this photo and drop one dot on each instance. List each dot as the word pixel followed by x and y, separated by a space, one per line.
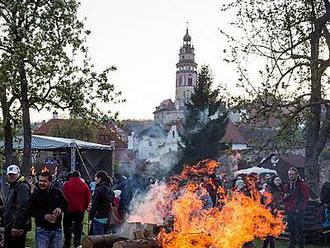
pixel 30 242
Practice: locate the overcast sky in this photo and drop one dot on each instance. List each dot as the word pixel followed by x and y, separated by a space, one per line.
pixel 142 39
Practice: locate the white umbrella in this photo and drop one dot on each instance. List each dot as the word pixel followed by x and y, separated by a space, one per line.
pixel 257 170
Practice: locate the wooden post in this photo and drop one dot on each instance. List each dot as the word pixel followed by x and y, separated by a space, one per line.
pixel 73 156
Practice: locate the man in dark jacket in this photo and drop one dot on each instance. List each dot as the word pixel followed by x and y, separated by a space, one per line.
pixel 78 196
pixel 295 200
pixel 47 205
pixel 16 218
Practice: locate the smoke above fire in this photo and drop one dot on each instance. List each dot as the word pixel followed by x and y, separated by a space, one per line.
pixel 180 205
pixel 147 207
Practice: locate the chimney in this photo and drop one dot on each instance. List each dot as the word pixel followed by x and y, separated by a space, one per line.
pixel 55 115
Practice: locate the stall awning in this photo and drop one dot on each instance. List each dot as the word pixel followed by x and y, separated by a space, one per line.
pixel 257 170
pixel 53 143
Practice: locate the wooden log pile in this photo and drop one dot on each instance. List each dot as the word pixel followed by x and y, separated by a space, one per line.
pixel 101 241
pixel 137 244
pixel 135 235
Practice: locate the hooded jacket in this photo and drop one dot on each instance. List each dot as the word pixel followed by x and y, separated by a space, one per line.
pixel 77 194
pixel 16 212
pixel 101 202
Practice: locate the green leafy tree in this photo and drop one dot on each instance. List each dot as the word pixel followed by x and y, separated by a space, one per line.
pixel 1 139
pixel 44 60
pixel 291 41
pixel 76 129
pixel 9 109
pixel 205 125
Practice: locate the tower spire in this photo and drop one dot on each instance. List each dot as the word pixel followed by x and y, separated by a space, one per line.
pixel 186 74
pixel 187 37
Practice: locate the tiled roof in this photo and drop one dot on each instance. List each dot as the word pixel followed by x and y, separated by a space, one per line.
pixel 165 105
pixel 296 160
pixel 155 131
pixel 106 135
pixel 233 134
pixel 44 128
pixel 284 164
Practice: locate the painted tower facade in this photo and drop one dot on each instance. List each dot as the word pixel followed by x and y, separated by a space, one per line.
pixel 186 72
pixel 169 112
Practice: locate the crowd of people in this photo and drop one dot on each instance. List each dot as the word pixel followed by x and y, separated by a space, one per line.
pixel 59 209
pixel 292 196
pixel 54 208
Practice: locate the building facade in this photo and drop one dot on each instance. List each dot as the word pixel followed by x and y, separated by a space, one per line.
pixel 169 112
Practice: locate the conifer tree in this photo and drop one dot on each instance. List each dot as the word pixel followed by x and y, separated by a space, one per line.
pixel 205 123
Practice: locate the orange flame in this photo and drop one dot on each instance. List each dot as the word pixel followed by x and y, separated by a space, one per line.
pixel 203 168
pixel 240 220
pixel 268 198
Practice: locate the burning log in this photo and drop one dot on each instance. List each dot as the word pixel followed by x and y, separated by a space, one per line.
pixel 101 241
pixel 137 244
pixel 129 228
pixel 138 230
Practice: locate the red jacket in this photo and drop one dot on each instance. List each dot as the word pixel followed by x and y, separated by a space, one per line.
pixel 296 197
pixel 77 194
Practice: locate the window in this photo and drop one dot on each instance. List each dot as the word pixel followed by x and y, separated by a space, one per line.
pixel 189 81
pixel 173 134
pixel 180 81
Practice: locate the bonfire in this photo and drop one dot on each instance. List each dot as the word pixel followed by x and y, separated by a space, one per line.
pixel 188 222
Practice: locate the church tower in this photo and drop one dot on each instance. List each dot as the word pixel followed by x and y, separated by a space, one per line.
pixel 186 72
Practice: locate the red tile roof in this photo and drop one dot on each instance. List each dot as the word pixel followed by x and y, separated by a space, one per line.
pixel 165 105
pixel 105 134
pixel 44 128
pixel 233 134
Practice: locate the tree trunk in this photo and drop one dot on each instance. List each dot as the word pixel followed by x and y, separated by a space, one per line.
pixel 8 132
pixel 312 169
pixel 312 172
pixel 9 151
pixel 27 135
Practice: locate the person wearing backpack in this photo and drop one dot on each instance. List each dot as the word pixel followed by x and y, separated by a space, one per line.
pixel 16 217
pixel 101 202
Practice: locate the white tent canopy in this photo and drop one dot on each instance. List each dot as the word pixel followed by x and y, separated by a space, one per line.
pixel 257 170
pixel 73 146
pixel 52 143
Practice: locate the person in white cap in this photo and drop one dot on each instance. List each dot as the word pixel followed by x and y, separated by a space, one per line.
pixel 16 218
